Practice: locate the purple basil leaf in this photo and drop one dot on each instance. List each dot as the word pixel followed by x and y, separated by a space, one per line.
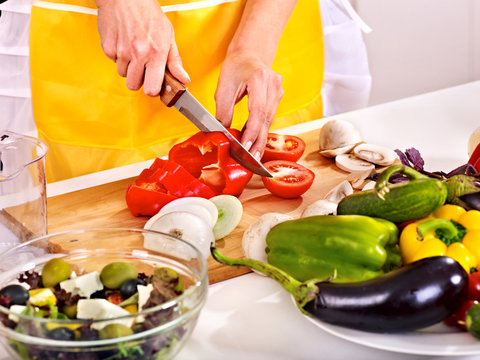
pixel 403 158
pixel 415 158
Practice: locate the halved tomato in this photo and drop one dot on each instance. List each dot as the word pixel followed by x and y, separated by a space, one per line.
pixel 283 147
pixel 289 180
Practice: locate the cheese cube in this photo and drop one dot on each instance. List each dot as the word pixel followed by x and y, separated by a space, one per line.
pixel 102 309
pixel 84 285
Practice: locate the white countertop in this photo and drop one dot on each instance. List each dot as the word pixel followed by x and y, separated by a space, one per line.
pixel 252 317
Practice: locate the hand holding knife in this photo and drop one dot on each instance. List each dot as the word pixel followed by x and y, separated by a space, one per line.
pixel 173 93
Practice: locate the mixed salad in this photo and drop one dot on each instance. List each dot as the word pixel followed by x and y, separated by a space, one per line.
pixel 118 290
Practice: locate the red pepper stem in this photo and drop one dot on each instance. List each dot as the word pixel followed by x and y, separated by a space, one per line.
pixel 434 224
pixel 303 292
pixel 381 186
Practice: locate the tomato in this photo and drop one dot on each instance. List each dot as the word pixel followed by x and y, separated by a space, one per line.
pixel 115 298
pixel 283 147
pixel 458 317
pixel 289 180
pixel 474 286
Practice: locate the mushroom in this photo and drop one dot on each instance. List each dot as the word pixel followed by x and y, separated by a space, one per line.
pixel 254 238
pixel 370 184
pixel 338 137
pixel 352 164
pixel 328 205
pixel 320 207
pixel 376 154
pixel 339 192
pixel 358 179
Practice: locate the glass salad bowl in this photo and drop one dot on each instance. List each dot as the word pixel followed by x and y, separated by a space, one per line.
pixel 86 309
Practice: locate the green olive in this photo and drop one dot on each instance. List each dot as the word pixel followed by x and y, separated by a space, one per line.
pixel 170 277
pixel 55 271
pixel 115 274
pixel 70 311
pixel 112 331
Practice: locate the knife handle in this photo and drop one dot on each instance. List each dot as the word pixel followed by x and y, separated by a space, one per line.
pixel 171 90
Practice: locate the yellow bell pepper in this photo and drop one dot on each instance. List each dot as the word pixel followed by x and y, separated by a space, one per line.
pixel 450 231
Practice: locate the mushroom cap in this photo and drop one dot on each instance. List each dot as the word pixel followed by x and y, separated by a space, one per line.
pixel 352 164
pixel 376 154
pixel 337 134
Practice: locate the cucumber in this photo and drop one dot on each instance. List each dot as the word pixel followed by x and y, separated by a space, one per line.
pixel 472 320
pixel 399 202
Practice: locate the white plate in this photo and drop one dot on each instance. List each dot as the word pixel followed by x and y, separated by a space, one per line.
pixel 434 341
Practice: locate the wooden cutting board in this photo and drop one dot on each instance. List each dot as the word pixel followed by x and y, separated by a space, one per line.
pixel 104 206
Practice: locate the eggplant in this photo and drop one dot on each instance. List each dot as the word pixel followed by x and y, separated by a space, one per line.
pixel 410 298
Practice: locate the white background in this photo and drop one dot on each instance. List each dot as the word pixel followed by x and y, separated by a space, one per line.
pixel 419 46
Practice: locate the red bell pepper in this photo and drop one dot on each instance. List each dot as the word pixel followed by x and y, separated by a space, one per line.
pixel 475 158
pixel 161 183
pixel 168 176
pixel 207 157
pixel 142 201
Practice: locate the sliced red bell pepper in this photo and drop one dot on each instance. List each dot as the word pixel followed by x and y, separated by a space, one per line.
pixel 207 157
pixel 475 158
pixel 161 183
pixel 168 176
pixel 142 201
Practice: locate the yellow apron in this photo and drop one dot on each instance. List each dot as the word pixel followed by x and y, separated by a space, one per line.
pixel 92 122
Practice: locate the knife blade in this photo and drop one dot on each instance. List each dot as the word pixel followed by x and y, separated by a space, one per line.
pixel 174 93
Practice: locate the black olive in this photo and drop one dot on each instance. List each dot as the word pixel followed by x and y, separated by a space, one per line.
pixel 17 293
pixel 129 287
pixel 61 333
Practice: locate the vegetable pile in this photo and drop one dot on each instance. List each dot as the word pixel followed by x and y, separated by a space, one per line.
pixel 399 256
pixel 115 293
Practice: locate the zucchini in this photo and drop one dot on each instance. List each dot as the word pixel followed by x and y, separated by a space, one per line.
pixel 399 202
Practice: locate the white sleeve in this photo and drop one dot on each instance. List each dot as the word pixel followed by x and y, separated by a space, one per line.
pixel 347 79
pixel 15 90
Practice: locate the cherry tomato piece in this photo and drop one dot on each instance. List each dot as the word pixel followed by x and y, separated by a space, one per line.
pixel 283 147
pixel 474 286
pixel 458 317
pixel 289 180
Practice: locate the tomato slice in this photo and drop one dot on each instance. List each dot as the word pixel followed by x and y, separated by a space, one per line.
pixel 283 147
pixel 289 180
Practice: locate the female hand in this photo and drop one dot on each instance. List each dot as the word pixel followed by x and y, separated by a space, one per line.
pixel 244 74
pixel 138 36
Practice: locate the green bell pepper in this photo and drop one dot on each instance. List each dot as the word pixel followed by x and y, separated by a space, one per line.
pixel 346 247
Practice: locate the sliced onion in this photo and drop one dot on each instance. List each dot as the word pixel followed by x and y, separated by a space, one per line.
pixel 183 225
pixel 191 204
pixel 230 211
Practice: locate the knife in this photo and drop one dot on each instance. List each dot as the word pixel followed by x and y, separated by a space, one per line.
pixel 174 93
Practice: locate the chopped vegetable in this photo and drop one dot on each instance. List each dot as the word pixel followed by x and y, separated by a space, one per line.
pixel 450 231
pixel 283 147
pixel 163 182
pixel 230 212
pixel 207 157
pixel 254 238
pixel 195 205
pixel 353 247
pixel 290 179
pixel 182 225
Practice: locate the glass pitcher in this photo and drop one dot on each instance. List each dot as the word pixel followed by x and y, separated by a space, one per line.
pixel 23 202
